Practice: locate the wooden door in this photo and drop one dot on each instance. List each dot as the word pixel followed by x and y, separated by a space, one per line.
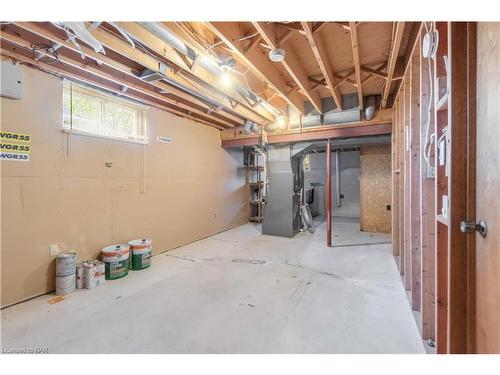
pixel 488 188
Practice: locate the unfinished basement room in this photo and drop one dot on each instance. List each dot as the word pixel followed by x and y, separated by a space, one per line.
pixel 249 187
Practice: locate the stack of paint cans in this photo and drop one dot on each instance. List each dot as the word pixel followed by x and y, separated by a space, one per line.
pixel 140 253
pixel 116 261
pixel 89 274
pixel 65 273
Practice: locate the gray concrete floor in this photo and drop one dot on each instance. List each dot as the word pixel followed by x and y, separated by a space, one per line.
pixel 236 292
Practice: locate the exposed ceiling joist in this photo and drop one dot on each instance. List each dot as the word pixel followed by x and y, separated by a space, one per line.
pixel 257 61
pixel 375 72
pixel 391 62
pixel 403 64
pixel 319 51
pixel 202 81
pixel 25 56
pixel 71 60
pixel 290 62
pixel 356 60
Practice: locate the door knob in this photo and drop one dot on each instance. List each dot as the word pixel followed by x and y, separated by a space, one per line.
pixel 471 226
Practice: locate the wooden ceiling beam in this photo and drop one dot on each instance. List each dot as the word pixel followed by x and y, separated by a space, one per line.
pixel 344 25
pixel 186 34
pixel 25 56
pixel 375 72
pixel 229 32
pixel 356 60
pixel 391 62
pixel 86 68
pixel 290 62
pixel 404 62
pixel 292 26
pixel 203 80
pixel 345 78
pixel 317 26
pixel 36 30
pixel 319 51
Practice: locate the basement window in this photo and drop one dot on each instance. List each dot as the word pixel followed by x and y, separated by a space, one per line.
pixel 90 112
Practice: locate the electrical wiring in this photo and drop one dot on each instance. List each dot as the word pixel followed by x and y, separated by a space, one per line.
pixel 429 139
pixel 45 53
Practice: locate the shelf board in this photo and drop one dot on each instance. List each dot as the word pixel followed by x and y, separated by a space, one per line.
pixel 256 219
pixel 442 104
pixel 440 218
pixel 255 167
pixel 255 202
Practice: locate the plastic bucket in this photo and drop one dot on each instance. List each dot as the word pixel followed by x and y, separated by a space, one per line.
pixel 115 258
pixel 140 251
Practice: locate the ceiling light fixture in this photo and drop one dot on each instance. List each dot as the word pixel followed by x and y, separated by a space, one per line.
pixel 277 54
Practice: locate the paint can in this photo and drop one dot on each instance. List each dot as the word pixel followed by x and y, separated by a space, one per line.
pixel 140 252
pixel 115 258
pixel 66 264
pixel 93 274
pixel 65 284
pixel 79 276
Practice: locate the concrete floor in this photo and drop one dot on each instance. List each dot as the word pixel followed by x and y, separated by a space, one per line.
pixel 236 292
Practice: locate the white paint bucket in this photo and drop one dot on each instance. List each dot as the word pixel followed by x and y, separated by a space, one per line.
pixel 140 251
pixel 65 284
pixel 66 264
pixel 115 258
pixel 79 276
pixel 93 274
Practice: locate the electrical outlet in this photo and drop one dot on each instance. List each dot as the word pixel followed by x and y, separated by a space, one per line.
pixel 214 215
pixel 53 250
pixel 431 172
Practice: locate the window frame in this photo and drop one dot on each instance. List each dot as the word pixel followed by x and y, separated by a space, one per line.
pixel 104 97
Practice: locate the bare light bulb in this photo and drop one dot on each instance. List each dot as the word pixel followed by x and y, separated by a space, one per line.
pixel 226 79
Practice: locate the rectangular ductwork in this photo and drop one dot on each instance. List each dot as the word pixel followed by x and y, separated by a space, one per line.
pixel 149 75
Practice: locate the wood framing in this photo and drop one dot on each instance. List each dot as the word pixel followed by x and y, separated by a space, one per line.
pixel 260 64
pixel 391 62
pixel 291 63
pixel 356 60
pixel 415 189
pixel 320 54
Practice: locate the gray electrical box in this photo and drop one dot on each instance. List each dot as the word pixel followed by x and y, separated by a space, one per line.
pixel 11 80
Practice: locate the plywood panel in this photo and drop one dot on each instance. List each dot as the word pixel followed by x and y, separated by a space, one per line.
pixel 174 193
pixel 375 188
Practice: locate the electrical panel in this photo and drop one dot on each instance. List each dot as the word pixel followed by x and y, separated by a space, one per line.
pixel 11 80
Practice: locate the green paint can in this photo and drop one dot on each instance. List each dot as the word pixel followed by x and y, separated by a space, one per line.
pixel 140 254
pixel 116 259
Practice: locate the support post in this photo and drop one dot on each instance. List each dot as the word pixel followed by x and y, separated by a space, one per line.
pixel 328 194
pixel 337 178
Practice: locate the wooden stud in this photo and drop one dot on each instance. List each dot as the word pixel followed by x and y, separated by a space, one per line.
pixel 414 187
pixel 356 60
pixel 427 207
pixel 259 63
pixel 290 62
pixel 391 63
pixel 321 56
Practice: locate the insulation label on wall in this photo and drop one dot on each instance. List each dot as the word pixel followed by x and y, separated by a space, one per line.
pixel 15 146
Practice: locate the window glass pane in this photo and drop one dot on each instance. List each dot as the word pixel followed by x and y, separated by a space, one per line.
pixel 95 113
